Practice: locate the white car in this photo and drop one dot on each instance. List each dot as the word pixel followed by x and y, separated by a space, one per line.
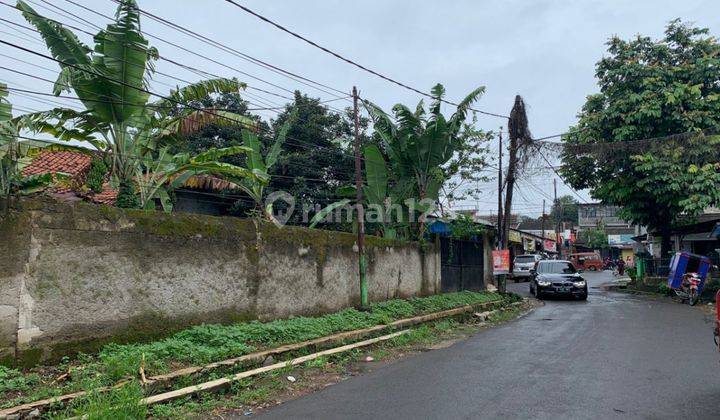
pixel 523 264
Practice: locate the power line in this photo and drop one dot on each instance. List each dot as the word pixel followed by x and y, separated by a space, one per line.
pixel 114 102
pixel 201 73
pixel 267 106
pixel 184 66
pixel 298 143
pixel 235 52
pixel 560 176
pixel 351 62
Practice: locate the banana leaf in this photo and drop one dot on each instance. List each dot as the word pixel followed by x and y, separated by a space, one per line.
pixel 376 174
pixel 322 214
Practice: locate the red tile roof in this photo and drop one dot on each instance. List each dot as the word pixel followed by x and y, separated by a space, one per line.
pixel 75 164
pixel 67 162
pixel 106 196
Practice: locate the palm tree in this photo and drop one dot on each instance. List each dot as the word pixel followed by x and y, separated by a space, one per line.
pixel 111 81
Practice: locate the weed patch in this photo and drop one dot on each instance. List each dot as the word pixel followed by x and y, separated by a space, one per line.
pixel 208 343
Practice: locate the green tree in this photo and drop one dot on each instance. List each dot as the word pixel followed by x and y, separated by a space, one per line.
pixel 111 80
pixel 318 154
pixel 423 145
pixel 594 238
pixel 564 210
pixel 651 89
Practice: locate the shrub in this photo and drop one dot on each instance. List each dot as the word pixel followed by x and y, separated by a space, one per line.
pixel 663 289
pixel 96 175
pixel 210 342
pixel 13 380
pixel 127 198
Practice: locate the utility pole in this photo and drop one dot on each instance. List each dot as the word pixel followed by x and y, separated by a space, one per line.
pixel 500 180
pixel 502 237
pixel 543 224
pixel 558 243
pixel 362 263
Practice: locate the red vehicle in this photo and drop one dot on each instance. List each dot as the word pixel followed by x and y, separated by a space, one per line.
pixel 689 290
pixel 589 261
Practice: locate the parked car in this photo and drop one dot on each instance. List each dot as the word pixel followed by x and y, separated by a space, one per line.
pixel 523 264
pixel 587 261
pixel 557 278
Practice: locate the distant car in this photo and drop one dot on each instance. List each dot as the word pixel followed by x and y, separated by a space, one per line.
pixel 587 261
pixel 557 278
pixel 523 264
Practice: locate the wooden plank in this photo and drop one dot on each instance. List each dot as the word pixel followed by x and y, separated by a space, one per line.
pixel 262 355
pixel 218 383
pixel 258 356
pixel 53 400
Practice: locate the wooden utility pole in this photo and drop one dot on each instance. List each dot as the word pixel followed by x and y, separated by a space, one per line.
pixel 558 243
pixel 500 188
pixel 543 224
pixel 362 263
pixel 510 183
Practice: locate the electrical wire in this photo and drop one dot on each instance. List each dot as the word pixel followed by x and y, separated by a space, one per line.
pixel 197 71
pixel 351 62
pixel 234 51
pixel 184 66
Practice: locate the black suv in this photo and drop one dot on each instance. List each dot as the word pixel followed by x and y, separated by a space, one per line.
pixel 557 278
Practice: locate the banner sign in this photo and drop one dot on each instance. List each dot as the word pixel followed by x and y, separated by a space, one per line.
pixel 501 261
pixel 514 236
pixel 529 245
pixel 626 239
pixel 550 245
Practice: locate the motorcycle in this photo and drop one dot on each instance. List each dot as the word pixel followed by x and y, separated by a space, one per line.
pixel 688 290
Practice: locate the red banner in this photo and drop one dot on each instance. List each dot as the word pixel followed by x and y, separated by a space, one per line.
pixel 501 261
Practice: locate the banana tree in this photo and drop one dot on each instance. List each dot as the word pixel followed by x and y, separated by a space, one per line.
pixel 166 172
pixel 419 144
pixel 13 156
pixel 111 81
pixel 382 196
pixel 258 167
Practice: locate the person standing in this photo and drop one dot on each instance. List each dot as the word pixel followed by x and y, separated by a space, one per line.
pixel 621 266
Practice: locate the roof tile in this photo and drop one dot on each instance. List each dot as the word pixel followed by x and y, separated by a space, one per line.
pixel 67 162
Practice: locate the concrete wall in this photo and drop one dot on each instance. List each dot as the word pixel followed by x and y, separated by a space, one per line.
pixel 74 276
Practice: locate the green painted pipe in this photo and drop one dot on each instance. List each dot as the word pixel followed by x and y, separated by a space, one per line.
pixel 363 282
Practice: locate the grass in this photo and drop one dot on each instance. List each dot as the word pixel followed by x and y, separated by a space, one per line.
pixel 207 343
pixel 246 395
pixel 14 380
pixel 120 403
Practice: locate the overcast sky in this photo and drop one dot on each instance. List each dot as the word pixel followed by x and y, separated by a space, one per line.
pixel 544 50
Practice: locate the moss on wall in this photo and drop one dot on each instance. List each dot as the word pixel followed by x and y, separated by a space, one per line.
pixel 149 237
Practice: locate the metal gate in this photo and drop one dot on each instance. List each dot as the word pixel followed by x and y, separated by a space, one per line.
pixel 461 265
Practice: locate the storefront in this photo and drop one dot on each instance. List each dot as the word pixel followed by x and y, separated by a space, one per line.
pixel 522 242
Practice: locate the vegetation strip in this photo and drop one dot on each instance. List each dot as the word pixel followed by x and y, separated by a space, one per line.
pixel 258 356
pixel 211 385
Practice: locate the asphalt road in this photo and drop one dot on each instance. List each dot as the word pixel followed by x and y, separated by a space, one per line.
pixel 615 356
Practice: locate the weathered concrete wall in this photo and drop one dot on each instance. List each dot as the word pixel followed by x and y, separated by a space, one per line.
pixel 74 276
